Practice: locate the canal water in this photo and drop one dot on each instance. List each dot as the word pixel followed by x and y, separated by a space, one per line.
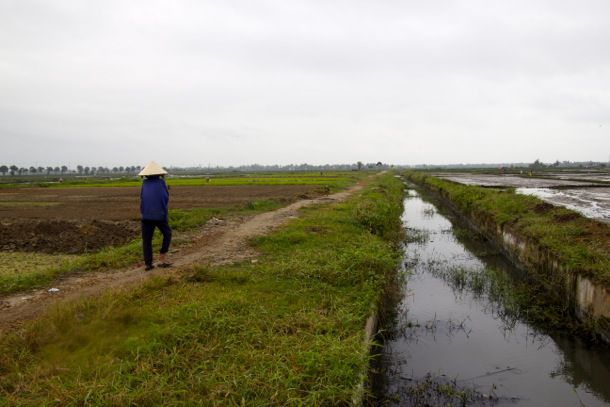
pixel 460 339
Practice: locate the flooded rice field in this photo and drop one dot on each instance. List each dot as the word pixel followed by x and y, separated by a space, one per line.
pixel 587 176
pixel 514 181
pixel 460 338
pixel 593 203
pixel 581 192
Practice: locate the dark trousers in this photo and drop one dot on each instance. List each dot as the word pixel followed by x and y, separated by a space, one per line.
pixel 148 229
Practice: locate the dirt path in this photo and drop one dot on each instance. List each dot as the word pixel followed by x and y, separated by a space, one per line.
pixel 219 242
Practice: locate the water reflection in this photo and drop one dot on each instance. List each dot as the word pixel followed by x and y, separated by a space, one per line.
pixel 459 331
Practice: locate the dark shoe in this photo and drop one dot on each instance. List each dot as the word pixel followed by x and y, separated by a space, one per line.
pixel 149 267
pixel 164 265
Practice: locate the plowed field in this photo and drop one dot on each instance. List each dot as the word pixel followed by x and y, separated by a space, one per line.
pixel 75 220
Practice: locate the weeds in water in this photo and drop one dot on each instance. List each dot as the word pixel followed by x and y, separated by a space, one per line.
pixel 413 330
pixel 440 391
pixel 416 235
pixel 429 212
pixel 509 299
pixel 410 260
pixel 461 278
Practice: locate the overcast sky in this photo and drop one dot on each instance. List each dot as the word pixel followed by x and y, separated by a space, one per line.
pixel 232 82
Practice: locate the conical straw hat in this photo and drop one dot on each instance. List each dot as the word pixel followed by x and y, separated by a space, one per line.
pixel 152 168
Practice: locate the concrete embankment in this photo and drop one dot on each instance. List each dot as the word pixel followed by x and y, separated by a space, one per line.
pixel 566 253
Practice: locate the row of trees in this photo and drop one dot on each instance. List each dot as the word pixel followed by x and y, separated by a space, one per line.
pixel 279 168
pixel 536 165
pixel 539 165
pixel 134 169
pixel 64 169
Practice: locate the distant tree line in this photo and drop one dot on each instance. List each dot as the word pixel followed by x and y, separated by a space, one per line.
pixel 65 170
pixel 536 165
pixel 539 165
pixel 280 168
pixel 134 169
pixel 358 166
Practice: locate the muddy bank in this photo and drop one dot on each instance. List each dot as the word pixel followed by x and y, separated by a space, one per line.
pixel 63 236
pixel 573 268
pixel 593 203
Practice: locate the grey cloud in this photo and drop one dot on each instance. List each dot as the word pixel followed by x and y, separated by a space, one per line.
pixel 292 81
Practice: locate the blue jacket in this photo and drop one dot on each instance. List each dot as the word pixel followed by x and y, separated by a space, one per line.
pixel 154 198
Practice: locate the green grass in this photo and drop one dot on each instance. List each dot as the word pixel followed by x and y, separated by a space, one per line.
pixel 580 244
pixel 286 330
pixel 14 264
pixel 21 271
pixel 333 181
pixel 26 204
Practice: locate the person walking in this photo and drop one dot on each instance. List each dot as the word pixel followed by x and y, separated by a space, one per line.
pixel 154 200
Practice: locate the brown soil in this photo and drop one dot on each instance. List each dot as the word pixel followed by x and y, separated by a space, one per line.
pixel 78 220
pixel 64 236
pixel 122 203
pixel 219 242
pixel 566 217
pixel 543 207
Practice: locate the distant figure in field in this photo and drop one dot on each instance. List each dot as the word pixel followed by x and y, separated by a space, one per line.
pixel 154 199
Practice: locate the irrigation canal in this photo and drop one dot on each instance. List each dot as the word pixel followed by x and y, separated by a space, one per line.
pixel 460 339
